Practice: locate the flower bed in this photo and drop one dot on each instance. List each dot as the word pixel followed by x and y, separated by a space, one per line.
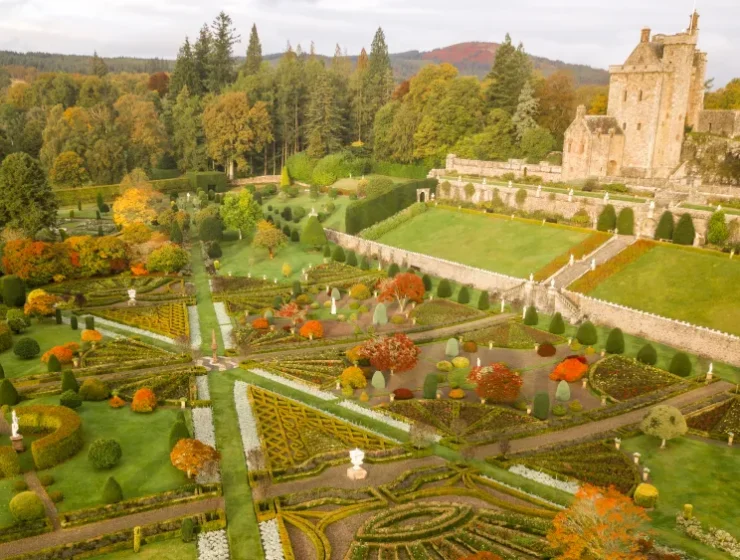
pixel 169 319
pixel 203 426
pixel 195 337
pixel 169 385
pixel 213 545
pixel 247 423
pixel 512 335
pixel 623 378
pixel 338 275
pixel 321 369
pixel 720 419
pixel 442 312
pixel 323 395
pixel 120 351
pixel 271 543
pixel 546 479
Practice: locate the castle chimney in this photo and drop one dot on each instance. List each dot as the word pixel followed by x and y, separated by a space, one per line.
pixel 645 35
pixel 694 23
pixel 581 112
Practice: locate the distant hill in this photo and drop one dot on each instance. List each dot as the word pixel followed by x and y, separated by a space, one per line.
pixel 471 59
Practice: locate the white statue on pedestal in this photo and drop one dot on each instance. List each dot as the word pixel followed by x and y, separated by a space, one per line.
pixel 478 362
pixel 356 472
pixel 531 277
pixel 14 426
pixel 570 195
pixel 132 297
pixel 313 212
pixel 552 284
pixel 593 264
pixel 484 180
pixel 606 197
pixel 333 306
pixel 539 191
pixel 503 304
pixel 651 209
pixel 572 260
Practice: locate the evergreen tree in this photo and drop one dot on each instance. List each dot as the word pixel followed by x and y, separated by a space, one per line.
pixel 647 355
pixel 484 303
pixel 717 229
pixel 324 127
pixel 175 232
pixel 511 70
pixel 221 60
pixel 313 233
pixel 684 233
pixel 526 111
pixel 665 226
pixel 427 280
pixel 290 100
pixel 201 58
pixel 98 67
pixel 26 200
pixel 680 365
pixel 254 54
pixel 185 74
pixel 463 296
pixel 360 119
pixel 615 342
pixel 587 334
pixel 557 325
pixel 531 317
pixel 607 219
pixel 379 76
pixel 626 221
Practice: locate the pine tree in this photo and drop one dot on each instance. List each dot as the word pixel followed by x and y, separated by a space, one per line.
pixel 324 128
pixel 201 58
pixel 665 226
pixel 526 111
pixel 221 60
pixel 379 77
pixel 185 74
pixel 360 119
pixel 175 232
pixel 511 70
pixel 98 67
pixel 254 54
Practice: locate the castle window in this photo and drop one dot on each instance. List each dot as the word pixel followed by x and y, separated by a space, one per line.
pixel 639 126
pixel 624 126
pixel 639 97
pixel 624 98
pixel 570 145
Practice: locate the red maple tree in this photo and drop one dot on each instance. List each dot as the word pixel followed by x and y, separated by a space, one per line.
pixel 402 288
pixel 496 382
pixel 397 353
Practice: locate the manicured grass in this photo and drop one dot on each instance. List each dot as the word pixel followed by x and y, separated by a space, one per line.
pixel 694 472
pixel 6 494
pixel 348 184
pixel 493 243
pixel 48 334
pixel 206 313
pixel 172 549
pixel 334 221
pixel 694 286
pixel 145 467
pixel 243 532
pixel 240 258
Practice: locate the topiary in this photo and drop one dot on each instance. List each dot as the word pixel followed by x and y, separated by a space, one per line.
pixel 460 362
pixel 562 393
pixel 214 250
pixel 546 350
pixel 46 479
pixel 557 325
pixel 26 348
pixel 69 383
pixel 58 316
pixel 178 431
pixel 403 394
pixel 626 221
pixel 393 270
pixel 17 321
pixel 427 280
pixel 53 364
pixel 2 372
pixel 89 323
pixel 378 380
pixel 73 322
pixel 14 291
pixel 351 258
pixel 684 233
pixel 364 264
pixel 470 346
pixel 647 355
pixel 144 400
pixel 210 229
pixel 444 290
pixel 607 220
pixel 680 365
pixel 8 393
pixel 530 316
pixel 380 315
pixel 463 296
pixel 338 254
pixel 452 348
pixel 26 506
pixel 559 410
pixel 104 453
pixel 70 399
pixel 484 303
pixel 20 485
pixel 93 389
pixel 665 226
pixel 56 496
pixel 430 386
pixel 615 342
pixel 541 406
pixel 586 334
pixel 646 495
pixel 456 394
pixel 112 493
pixel 187 527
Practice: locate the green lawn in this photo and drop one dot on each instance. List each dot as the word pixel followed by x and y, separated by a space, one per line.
pixel 240 258
pixel 694 472
pixel 334 221
pixel 493 243
pixel 6 493
pixel 172 549
pixel 693 286
pixel 206 314
pixel 144 469
pixel 48 334
pixel 348 184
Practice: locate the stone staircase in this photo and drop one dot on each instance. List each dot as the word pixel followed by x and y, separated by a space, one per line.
pixel 569 274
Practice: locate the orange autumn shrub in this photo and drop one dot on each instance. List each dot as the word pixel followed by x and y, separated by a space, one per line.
pixel 139 270
pixel 571 370
pixel 261 323
pixel 144 400
pixel 312 329
pixel 117 402
pixel 89 335
pixel 456 394
pixel 355 354
pixel 64 353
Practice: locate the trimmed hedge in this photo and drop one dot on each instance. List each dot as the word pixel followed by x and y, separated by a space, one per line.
pixel 647 355
pixel 6 338
pixel 27 506
pixel 14 291
pixel 680 365
pixel 71 196
pixel 404 171
pixel 65 439
pixel 362 214
pixel 104 453
pixel 203 180
pixel 10 464
pixel 8 393
pixel 26 348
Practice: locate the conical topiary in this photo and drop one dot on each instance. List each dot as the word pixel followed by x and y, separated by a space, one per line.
pixel 463 296
pixel 665 226
pixel 378 380
pixel 453 348
pixel 380 315
pixel 427 280
pixel 530 316
pixel 680 365
pixel 53 365
pixel 393 269
pixel 615 342
pixel 69 383
pixel 626 221
pixel 444 290
pixel 338 254
pixel 607 220
pixel 684 233
pixel 557 325
pixel 364 264
pixel 112 493
pixel 586 334
pixel 484 303
pixel 647 355
pixel 8 393
pixel 327 251
pixel 562 393
pixel 351 258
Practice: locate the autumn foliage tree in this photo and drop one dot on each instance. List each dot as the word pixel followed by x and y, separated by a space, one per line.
pixel 36 262
pixel 40 304
pixel 402 288
pixel 191 456
pixel 269 237
pixel 397 353
pixel 598 524
pixel 496 382
pixel 135 205
pixel 68 171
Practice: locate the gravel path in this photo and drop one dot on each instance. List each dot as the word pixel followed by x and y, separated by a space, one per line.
pixel 34 484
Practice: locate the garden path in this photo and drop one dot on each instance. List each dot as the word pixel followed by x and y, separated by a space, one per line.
pixel 577 433
pixel 569 274
pixel 34 484
pixel 77 534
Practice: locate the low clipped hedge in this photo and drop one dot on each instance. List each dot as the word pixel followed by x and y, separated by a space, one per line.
pixel 71 196
pixel 10 465
pixel 6 338
pixel 65 439
pixel 202 180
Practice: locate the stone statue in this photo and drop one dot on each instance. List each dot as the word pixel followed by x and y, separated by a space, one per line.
pixel 593 264
pixel 572 260
pixel 14 425
pixel 484 180
pixel 531 277
pixel 313 212
pixel 511 184
pixel 503 304
pixel 570 195
pixel 552 283
pixel 131 297
pixel 356 472
pixel 606 197
pixel 478 362
pixel 651 209
pixel 539 191
pixel 333 306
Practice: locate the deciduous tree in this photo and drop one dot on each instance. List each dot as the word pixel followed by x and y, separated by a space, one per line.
pixel 192 456
pixel 135 205
pixel 397 353
pixel 402 288
pixel 496 382
pixel 68 171
pixel 269 237
pixel 664 422
pixel 241 212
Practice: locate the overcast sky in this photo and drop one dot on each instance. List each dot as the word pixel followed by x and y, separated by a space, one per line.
pixel 577 31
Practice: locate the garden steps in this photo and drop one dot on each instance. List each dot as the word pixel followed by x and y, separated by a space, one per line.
pixel 569 274
pixel 34 484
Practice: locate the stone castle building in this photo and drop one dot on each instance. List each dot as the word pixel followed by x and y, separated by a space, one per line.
pixel 653 97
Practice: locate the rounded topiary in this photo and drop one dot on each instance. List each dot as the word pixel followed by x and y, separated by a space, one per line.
pixel 211 229
pixel 684 233
pixel 470 346
pixel 8 393
pixel 56 496
pixel 586 334
pixel 69 383
pixel 546 350
pixel 53 364
pixel 452 348
pixel 26 506
pixel 104 453
pixel 562 393
pixel 378 380
pixel 430 386
pixel 646 495
pixel 541 406
pixel 214 250
pixel 112 493
pixel 26 348
pixel 665 226
pixel 607 220
pixel 393 270
pixel 351 258
pixel 460 362
pixel 90 323
pixel 530 316
pixel 680 365
pixel 484 303
pixel 615 342
pixel 70 399
pixel 626 221
pixel 93 389
pixel 20 485
pixel 444 289
pixel 427 280
pixel 647 355
pixel 444 365
pixel 557 325
pixel 338 254
pixel 463 296
pixel 46 479
pixel 186 530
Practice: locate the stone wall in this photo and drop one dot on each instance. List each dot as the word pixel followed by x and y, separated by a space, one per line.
pixel 692 338
pixel 518 167
pixel 722 123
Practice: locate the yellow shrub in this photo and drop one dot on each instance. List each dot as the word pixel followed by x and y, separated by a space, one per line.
pixel 457 394
pixel 353 377
pixel 359 292
pixel 646 495
pixel 460 362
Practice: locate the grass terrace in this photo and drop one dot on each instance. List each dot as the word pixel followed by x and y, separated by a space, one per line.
pixel 172 549
pixel 48 334
pixel 348 184
pixel 240 258
pixel 491 242
pixel 334 221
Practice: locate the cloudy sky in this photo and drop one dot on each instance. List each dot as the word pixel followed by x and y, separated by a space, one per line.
pixel 578 31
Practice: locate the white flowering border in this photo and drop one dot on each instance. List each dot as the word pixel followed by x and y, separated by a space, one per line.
pixel 224 323
pixel 517 489
pixel 271 542
pixel 195 337
pixel 247 423
pixel 201 383
pixel 205 433
pixel 378 417
pixel 213 545
pixel 302 387
pixel 546 479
